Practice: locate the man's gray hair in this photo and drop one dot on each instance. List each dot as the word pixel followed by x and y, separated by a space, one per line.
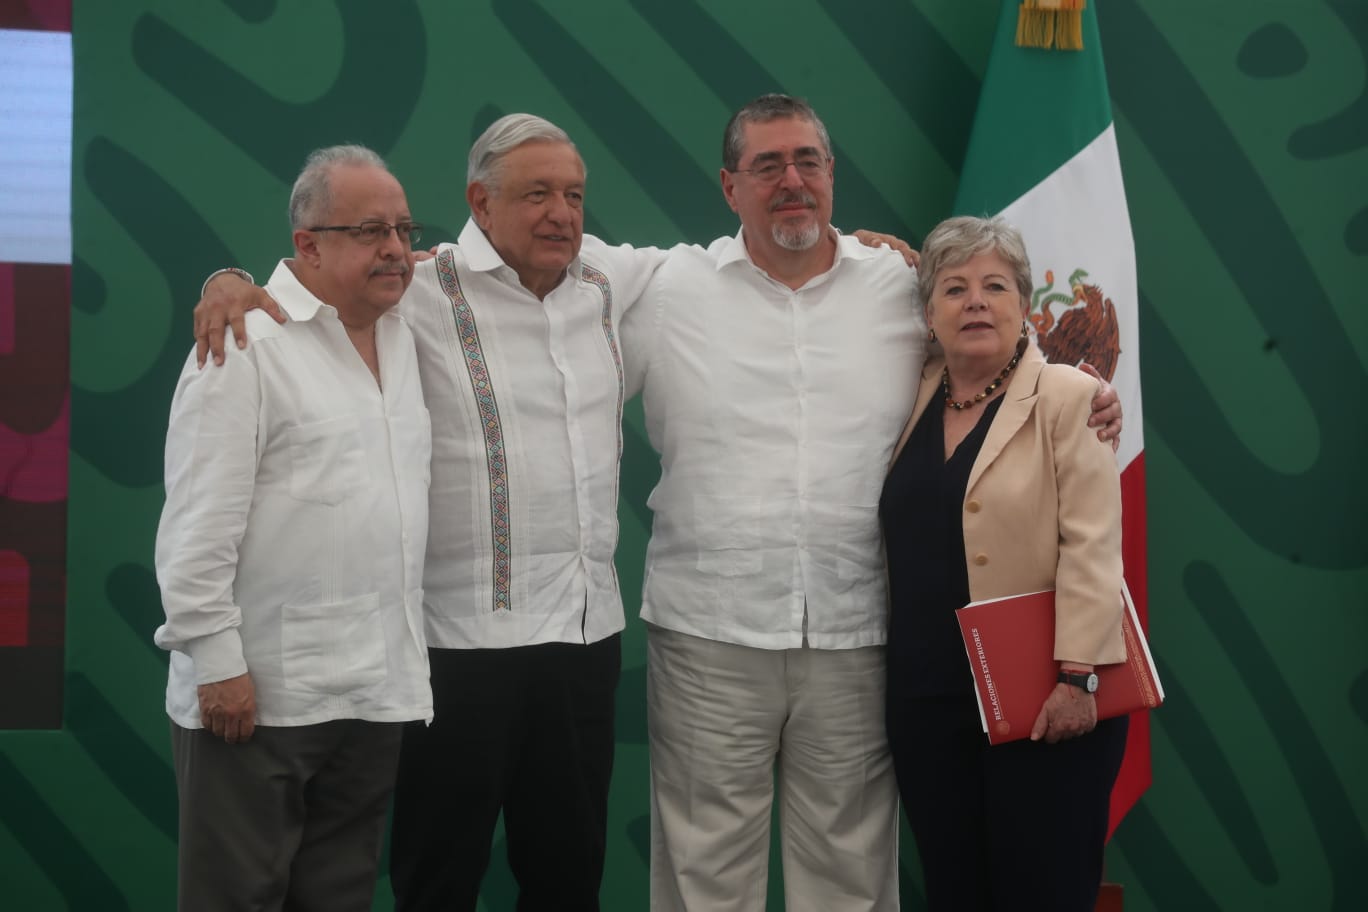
pixel 503 136
pixel 959 239
pixel 311 198
pixel 763 110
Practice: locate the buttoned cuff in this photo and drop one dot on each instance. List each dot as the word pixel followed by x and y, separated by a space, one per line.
pixel 217 657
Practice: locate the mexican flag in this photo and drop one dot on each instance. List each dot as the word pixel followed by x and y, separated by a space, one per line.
pixel 1043 155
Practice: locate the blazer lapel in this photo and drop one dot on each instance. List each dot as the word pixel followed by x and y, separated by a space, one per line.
pixel 1017 403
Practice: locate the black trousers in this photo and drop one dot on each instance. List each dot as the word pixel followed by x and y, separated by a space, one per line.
pixel 527 731
pixel 1017 826
pixel 291 819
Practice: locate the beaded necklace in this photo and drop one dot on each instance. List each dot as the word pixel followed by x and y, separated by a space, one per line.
pixel 989 389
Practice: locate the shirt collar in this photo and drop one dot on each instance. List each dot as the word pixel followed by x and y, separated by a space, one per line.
pixel 299 304
pixel 480 255
pixel 297 301
pixel 734 251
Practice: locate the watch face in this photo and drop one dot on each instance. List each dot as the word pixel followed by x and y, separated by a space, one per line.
pixel 1092 683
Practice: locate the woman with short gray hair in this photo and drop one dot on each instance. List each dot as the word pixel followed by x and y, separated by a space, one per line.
pixel 998 488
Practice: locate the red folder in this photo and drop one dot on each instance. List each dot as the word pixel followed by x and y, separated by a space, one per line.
pixel 1010 643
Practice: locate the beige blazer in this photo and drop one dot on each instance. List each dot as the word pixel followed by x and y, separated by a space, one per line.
pixel 1042 508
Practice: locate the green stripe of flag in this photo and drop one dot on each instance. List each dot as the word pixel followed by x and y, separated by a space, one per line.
pixel 1037 109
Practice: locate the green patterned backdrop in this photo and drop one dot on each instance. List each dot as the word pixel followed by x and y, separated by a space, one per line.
pixel 1243 127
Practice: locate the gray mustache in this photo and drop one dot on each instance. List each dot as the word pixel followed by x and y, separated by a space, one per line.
pixel 804 198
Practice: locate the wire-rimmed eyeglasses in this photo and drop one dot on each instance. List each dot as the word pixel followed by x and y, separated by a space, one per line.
pixel 372 231
pixel 808 166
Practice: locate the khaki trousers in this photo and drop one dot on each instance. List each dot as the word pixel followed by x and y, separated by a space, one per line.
pixel 727 724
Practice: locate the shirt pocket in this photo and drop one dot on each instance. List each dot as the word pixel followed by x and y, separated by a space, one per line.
pixel 727 530
pixel 327 460
pixel 859 549
pixel 334 647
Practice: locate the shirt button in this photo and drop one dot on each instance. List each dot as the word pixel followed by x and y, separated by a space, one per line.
pixel 973 506
pixel 980 559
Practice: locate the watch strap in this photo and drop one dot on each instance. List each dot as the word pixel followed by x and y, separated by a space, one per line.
pixel 1083 680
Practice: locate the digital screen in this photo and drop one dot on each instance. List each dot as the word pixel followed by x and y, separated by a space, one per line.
pixel 35 147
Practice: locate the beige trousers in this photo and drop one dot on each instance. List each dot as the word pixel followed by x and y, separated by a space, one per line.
pixel 730 723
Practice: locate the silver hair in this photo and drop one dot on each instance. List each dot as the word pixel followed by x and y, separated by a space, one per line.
pixel 959 239
pixel 763 110
pixel 311 198
pixel 503 136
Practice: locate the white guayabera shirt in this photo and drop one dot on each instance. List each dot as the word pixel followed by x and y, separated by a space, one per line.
pixel 526 398
pixel 291 544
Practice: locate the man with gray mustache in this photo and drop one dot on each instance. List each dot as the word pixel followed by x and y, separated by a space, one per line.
pixel 290 559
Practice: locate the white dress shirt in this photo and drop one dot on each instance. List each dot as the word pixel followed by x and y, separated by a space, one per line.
pixel 291 545
pixel 526 398
pixel 774 412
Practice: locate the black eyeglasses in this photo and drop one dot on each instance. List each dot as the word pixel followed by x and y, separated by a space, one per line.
pixel 373 231
pixel 809 166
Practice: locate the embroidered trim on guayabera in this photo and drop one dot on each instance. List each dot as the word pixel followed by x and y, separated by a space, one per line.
pixel 597 278
pixel 496 455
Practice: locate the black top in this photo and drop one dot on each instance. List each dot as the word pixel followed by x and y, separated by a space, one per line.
pixel 921 509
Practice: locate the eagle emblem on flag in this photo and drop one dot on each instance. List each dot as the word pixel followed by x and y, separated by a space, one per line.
pixel 1085 330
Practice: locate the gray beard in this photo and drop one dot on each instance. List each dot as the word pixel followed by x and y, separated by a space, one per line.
pixel 797 239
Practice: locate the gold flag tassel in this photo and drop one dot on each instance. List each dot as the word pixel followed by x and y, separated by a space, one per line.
pixel 1054 24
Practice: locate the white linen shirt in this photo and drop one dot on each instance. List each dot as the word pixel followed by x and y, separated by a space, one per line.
pixel 291 544
pixel 774 412
pixel 526 398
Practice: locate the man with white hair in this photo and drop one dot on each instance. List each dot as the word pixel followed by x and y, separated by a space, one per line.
pixel 290 559
pixel 517 326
